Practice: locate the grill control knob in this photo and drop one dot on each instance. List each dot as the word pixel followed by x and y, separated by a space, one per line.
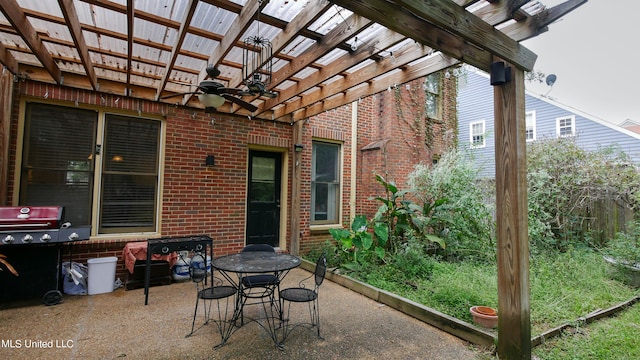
pixel 45 238
pixel 27 239
pixel 8 239
pixel 74 236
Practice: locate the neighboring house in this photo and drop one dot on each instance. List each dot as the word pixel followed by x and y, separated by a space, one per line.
pixel 631 125
pixel 545 118
pixel 134 169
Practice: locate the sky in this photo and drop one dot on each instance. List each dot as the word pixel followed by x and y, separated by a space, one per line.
pixel 593 51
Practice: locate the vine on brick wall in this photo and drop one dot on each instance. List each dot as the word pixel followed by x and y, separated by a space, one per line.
pixel 421 123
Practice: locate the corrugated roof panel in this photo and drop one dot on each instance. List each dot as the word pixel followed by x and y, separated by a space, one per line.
pixel 154 32
pixel 298 46
pixel 52 29
pixel 27 58
pixel 213 18
pixel 150 70
pixel 284 9
pixel 200 45
pixel 12 40
pixel 71 67
pixel 112 44
pixel 331 56
pixel 169 9
pixel 109 19
pixel 45 7
pixel 110 74
pixel 144 81
pixel 90 38
pixel 85 13
pixel 62 51
pixel 148 52
pixel 330 19
pixel 306 72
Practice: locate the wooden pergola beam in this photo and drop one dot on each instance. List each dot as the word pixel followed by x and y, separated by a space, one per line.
pixel 314 10
pixel 454 18
pixel 71 17
pixel 8 60
pixel 416 70
pixel 130 32
pixel 364 51
pixel 175 51
pixel 13 12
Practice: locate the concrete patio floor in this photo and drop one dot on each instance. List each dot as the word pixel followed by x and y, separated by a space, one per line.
pixel 118 325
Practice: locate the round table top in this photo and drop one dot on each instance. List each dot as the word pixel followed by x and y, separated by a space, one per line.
pixel 255 262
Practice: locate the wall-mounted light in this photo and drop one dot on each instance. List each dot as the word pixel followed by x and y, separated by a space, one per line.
pixel 210 160
pixel 500 73
pixel 298 147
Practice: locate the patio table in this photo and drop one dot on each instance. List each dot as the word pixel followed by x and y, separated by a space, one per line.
pixel 256 262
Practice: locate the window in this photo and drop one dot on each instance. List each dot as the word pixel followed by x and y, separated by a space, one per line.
pixel 477 134
pixel 531 125
pixel 325 183
pixel 129 175
pixel 565 126
pixel 432 95
pixel 61 147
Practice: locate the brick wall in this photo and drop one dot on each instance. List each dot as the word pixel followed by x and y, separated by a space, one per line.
pixel 211 200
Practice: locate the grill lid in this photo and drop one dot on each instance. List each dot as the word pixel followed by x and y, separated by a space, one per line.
pixel 30 217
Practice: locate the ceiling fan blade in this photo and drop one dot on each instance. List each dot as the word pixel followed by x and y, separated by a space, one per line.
pixel 238 101
pixel 179 94
pixel 269 94
pixel 230 91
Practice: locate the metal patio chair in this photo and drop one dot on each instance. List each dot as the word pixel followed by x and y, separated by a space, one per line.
pixel 304 294
pixel 217 292
pixel 261 287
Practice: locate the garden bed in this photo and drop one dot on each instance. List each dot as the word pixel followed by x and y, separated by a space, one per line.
pixel 557 306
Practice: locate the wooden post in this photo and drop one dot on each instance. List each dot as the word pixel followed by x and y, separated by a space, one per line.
pixel 514 323
pixel 296 180
pixel 6 93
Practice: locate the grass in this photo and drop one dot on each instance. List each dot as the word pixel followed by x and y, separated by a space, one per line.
pixel 615 338
pixel 563 288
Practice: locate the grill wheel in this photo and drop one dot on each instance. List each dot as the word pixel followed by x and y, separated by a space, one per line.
pixel 52 297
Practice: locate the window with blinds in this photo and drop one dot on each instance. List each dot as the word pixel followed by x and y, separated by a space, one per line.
pixel 129 174
pixel 60 166
pixel 57 163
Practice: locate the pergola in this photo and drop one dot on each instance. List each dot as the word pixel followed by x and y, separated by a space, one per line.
pixel 325 54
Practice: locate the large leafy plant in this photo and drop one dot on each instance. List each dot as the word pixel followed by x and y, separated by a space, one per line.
pixel 360 243
pixel 403 217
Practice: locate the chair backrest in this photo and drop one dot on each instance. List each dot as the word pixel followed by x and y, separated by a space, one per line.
pixel 258 247
pixel 321 269
pixel 198 268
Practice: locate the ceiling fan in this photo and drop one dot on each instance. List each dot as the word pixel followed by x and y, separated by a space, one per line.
pixel 213 94
pixel 256 87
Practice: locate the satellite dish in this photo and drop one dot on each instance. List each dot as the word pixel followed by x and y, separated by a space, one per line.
pixel 551 79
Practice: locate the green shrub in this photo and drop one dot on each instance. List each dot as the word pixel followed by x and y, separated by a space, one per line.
pixel 465 221
pixel 565 182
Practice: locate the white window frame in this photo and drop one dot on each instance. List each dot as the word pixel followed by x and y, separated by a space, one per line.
pixel 559 128
pixel 530 125
pixel 433 93
pixel 483 134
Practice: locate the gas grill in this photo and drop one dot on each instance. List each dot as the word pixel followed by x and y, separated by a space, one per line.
pixel 26 225
pixel 31 238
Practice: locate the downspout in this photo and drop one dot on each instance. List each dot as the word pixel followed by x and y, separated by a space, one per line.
pixel 354 162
